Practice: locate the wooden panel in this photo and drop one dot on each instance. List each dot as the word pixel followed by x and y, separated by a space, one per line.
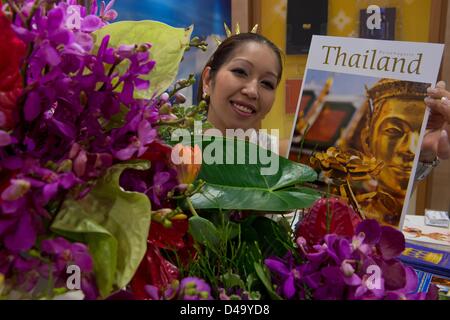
pixel 434 192
pixel 240 13
pixel 439 197
pixel 437 20
pixel 255 7
pixel 446 64
pixel 438 189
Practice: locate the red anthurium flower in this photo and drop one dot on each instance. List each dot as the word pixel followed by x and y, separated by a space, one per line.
pixel 169 238
pixel 12 50
pixel 157 152
pixel 154 270
pixel 331 213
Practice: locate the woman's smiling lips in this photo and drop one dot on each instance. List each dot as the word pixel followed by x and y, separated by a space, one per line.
pixel 242 108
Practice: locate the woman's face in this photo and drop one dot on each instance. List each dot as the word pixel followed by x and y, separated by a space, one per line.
pixel 243 90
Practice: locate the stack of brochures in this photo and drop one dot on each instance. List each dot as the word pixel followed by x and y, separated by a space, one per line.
pixel 432 267
pixel 427 259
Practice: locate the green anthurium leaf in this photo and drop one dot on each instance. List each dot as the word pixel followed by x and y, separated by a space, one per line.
pixel 204 232
pixel 240 175
pixel 168 46
pixel 240 198
pixel 264 276
pixel 113 223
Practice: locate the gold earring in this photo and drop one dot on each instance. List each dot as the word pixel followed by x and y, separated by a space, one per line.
pixel 205 95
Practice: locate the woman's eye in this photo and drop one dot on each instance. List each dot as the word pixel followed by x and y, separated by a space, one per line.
pixel 240 72
pixel 268 84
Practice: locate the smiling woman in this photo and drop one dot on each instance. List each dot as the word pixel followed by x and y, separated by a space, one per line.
pixel 239 81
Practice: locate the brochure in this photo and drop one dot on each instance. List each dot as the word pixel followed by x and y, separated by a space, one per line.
pixel 414 229
pixel 361 118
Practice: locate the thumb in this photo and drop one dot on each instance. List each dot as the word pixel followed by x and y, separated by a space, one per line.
pixel 440 84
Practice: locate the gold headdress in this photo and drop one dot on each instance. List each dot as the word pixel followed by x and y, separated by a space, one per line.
pixel 237 31
pixel 389 88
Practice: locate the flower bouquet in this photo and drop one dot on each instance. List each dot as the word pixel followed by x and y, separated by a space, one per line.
pixel 94 205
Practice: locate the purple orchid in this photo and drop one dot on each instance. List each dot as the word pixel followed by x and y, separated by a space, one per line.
pixel 68 133
pixel 63 254
pixel 286 274
pixel 364 268
pixel 138 143
pixel 106 13
pixel 155 182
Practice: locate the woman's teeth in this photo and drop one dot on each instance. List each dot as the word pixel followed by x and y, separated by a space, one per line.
pixel 242 108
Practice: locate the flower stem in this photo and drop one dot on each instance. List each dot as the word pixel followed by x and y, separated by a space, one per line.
pixel 353 199
pixel 17 11
pixel 191 207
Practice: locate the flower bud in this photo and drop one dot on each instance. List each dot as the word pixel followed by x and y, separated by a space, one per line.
pixel 347 269
pixel 64 166
pixel 190 121
pixel 165 109
pixel 202 105
pixel 16 190
pixel 180 216
pixel 187 162
pixel 167 223
pixel 79 165
pixel 164 97
pixel 180 98
pixel 358 240
pixel 301 242
pixel 74 150
pixel 161 215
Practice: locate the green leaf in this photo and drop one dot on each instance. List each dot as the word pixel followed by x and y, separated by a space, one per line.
pixel 204 232
pixel 241 185
pixel 252 280
pixel 273 239
pixel 113 223
pixel 231 280
pixel 264 276
pixel 168 46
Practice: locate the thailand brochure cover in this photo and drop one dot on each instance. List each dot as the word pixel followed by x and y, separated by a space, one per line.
pixel 361 118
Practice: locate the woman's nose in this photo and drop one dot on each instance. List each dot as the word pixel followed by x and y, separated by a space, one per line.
pixel 251 89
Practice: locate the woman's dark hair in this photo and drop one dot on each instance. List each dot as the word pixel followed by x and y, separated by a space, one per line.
pixel 228 46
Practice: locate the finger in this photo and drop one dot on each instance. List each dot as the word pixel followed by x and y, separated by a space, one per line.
pixel 439 106
pixel 443 150
pixel 438 92
pixel 428 149
pixel 441 85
